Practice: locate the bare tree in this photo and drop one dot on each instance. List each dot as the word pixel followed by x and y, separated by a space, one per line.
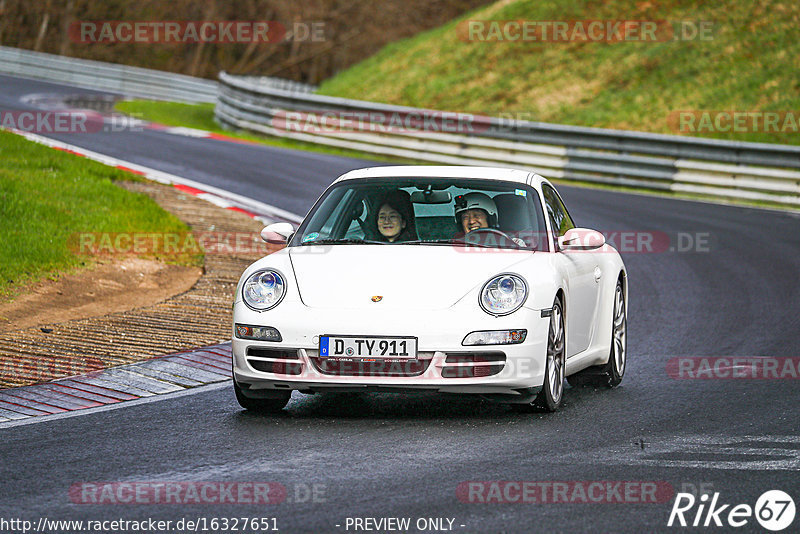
pixel 353 30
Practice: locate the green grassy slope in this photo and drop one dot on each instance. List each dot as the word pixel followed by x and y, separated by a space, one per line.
pixel 48 198
pixel 750 63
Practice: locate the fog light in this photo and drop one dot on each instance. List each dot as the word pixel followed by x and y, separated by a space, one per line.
pixel 495 337
pixel 258 333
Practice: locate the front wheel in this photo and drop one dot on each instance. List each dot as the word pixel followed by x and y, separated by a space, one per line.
pixel 614 370
pixel 276 402
pixel 549 398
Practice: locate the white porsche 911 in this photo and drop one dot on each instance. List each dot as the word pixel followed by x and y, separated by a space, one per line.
pixel 450 279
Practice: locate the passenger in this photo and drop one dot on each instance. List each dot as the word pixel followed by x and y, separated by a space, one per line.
pixel 395 218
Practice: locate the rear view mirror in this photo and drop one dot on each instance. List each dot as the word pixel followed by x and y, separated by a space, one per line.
pixel 277 233
pixel 581 239
pixel 431 197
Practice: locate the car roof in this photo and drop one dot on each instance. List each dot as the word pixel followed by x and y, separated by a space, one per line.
pixel 448 171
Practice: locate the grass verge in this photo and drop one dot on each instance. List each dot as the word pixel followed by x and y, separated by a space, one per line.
pixel 48 198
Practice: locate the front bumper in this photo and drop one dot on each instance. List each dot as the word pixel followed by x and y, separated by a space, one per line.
pixel 505 370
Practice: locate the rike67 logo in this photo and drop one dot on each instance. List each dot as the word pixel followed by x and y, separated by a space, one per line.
pixel 774 510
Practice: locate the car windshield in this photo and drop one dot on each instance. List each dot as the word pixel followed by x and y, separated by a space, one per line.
pixel 426 211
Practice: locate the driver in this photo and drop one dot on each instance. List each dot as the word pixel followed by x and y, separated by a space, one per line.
pixel 475 211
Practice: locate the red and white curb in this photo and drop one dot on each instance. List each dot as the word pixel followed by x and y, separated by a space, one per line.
pixel 199 134
pixel 158 376
pixel 225 199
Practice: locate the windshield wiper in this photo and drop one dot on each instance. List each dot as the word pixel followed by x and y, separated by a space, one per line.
pixel 460 242
pixel 445 242
pixel 343 241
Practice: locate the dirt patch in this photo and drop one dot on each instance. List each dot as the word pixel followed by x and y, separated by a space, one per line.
pixel 198 317
pixel 112 286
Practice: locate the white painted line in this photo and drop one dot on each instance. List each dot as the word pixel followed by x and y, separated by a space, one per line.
pixel 712 452
pixel 187 132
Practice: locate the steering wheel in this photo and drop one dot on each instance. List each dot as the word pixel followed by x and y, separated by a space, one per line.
pixel 489 231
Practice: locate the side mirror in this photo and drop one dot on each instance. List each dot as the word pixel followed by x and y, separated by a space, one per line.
pixel 581 239
pixel 277 233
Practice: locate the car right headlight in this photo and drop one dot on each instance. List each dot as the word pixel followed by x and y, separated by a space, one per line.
pixel 264 289
pixel 503 294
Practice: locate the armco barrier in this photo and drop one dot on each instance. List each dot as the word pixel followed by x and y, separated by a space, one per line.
pixel 128 81
pixel 724 169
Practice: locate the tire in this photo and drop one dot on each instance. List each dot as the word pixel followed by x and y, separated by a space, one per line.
pixel 610 374
pixel 273 404
pixel 552 392
pixel 614 369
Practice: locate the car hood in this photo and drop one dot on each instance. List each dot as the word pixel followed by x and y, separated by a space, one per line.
pixel 424 277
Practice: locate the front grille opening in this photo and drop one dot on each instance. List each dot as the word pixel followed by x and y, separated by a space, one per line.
pixel 278 368
pixel 476 357
pixel 264 352
pixel 376 368
pixel 477 371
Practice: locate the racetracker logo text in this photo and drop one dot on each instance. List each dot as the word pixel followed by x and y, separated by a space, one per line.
pixel 201 31
pixel 734 367
pixel 67 122
pixel 378 121
pixel 582 31
pixel 574 491
pixel 177 493
pixel 709 121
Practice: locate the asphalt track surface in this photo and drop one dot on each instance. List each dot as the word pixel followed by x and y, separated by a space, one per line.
pixel 391 455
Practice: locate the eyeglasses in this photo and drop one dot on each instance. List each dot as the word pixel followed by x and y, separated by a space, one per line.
pixel 389 218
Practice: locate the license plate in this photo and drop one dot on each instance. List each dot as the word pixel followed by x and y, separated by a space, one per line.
pixel 399 348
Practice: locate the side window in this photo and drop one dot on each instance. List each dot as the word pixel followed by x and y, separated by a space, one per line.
pixel 559 218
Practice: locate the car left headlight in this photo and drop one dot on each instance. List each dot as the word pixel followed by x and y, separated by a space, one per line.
pixel 264 289
pixel 503 294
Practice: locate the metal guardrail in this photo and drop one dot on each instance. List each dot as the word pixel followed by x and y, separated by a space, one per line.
pixel 723 169
pixel 122 79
